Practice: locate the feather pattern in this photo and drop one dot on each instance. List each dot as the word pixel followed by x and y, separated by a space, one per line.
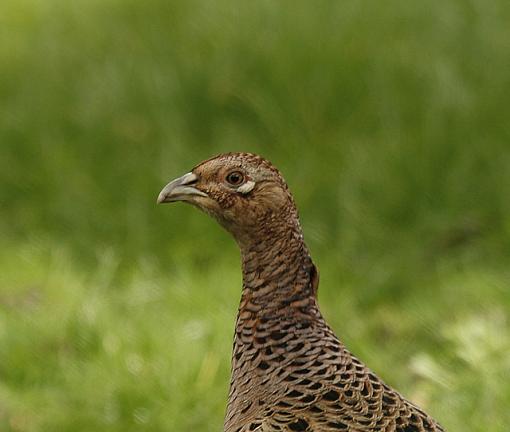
pixel 290 372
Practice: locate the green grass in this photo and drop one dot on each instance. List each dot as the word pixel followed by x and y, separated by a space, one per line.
pixel 390 123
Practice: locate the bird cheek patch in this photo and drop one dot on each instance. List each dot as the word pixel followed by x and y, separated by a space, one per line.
pixel 247 187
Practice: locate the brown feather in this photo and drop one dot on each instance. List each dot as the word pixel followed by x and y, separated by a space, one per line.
pixel 289 370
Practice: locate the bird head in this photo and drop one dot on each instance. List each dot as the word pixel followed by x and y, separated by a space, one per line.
pixel 243 191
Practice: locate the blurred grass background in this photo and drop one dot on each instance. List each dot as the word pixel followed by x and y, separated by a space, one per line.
pixel 390 121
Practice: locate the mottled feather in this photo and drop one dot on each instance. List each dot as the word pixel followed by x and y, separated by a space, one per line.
pixel 290 372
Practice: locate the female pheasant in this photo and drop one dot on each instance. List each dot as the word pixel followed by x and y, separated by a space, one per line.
pixel 289 370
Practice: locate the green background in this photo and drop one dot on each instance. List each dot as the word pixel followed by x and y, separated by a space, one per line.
pixel 390 122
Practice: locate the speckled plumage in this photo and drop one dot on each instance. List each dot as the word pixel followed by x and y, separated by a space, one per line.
pixel 289 370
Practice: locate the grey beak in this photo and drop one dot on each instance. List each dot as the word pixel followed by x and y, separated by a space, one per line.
pixel 180 189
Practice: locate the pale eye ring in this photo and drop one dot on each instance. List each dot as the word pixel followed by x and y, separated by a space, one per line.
pixel 235 178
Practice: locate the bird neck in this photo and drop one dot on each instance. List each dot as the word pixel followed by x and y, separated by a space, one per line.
pixel 278 308
pixel 278 272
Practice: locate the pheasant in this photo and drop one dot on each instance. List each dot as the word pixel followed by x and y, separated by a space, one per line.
pixel 289 370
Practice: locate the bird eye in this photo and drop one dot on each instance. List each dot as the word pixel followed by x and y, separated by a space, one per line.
pixel 235 178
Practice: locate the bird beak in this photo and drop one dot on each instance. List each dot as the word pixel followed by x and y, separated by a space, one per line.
pixel 180 189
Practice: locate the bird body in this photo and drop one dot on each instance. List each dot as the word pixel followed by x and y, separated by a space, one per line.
pixel 289 370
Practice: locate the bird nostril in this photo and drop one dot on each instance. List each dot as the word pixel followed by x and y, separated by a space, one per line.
pixel 189 179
